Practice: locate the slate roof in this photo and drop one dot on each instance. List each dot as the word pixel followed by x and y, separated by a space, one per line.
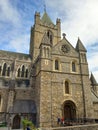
pixel 46 19
pixel 14 54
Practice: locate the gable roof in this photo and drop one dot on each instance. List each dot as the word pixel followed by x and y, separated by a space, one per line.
pixel 57 48
pixel 10 54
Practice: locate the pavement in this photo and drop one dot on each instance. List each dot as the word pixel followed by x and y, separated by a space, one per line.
pixel 6 128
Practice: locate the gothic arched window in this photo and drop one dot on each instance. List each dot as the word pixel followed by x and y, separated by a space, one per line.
pixel 50 36
pixel 44 51
pixel 83 57
pixel 51 39
pixel 56 65
pixel 73 67
pixel 48 33
pixel 66 87
pixel 47 52
pixel 26 73
pixel 23 71
pixel 18 74
pixel 4 69
pixel 8 71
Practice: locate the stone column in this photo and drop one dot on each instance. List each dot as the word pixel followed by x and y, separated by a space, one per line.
pixel 11 95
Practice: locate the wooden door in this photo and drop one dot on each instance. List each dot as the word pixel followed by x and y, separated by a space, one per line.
pixel 16 122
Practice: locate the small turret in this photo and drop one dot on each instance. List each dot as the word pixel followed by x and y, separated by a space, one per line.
pixel 80 46
pixel 45 39
pixel 93 80
pixel 94 84
pixel 37 17
pixel 45 47
pixel 58 24
pixel 82 51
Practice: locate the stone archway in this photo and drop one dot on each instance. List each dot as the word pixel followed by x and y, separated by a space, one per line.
pixel 16 119
pixel 69 110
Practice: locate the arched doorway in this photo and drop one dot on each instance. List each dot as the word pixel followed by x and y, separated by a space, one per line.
pixel 69 110
pixel 16 119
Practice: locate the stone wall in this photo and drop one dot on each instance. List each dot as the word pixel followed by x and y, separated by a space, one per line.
pixel 79 127
pixel 95 107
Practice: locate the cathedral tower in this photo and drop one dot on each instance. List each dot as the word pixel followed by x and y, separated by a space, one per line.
pixel 41 26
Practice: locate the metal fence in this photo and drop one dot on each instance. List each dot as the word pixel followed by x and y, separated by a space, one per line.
pixel 79 121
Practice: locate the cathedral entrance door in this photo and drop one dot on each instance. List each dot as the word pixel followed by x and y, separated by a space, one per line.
pixel 16 122
pixel 69 110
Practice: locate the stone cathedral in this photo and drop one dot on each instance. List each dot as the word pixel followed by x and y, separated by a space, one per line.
pixel 51 81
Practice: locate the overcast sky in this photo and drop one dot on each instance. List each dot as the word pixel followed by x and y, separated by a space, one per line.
pixel 79 18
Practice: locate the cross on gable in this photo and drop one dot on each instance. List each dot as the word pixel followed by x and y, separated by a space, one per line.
pixel 64 35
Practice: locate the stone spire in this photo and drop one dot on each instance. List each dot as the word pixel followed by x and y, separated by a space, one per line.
pixel 46 19
pixel 80 46
pixel 44 7
pixel 93 80
pixel 45 39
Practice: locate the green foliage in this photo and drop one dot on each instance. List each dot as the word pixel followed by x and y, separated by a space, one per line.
pixel 3 124
pixel 26 123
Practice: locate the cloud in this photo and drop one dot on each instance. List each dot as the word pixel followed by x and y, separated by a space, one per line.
pixel 16 19
pixel 79 19
pixel 9 13
pixel 93 64
pixel 83 23
pixel 14 29
pixel 19 43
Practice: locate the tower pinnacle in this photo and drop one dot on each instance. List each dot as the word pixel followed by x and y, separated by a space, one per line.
pixel 44 7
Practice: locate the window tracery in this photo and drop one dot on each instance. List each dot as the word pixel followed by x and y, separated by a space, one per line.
pixel 22 72
pixel 73 66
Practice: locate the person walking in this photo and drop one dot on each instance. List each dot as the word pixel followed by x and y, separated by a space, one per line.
pixel 28 128
pixel 58 120
pixel 62 121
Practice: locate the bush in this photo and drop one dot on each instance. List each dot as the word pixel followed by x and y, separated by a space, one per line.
pixel 26 123
pixel 3 124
